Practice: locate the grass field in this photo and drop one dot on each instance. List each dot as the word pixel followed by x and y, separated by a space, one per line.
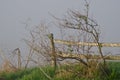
pixel 36 73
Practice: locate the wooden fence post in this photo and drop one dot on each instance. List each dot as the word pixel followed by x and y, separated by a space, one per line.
pixel 51 37
pixel 17 51
pixel 19 59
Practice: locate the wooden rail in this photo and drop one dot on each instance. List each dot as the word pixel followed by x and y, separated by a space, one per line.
pixel 81 56
pixel 86 43
pixel 88 56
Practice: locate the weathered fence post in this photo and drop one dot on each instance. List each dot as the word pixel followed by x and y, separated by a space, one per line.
pixel 19 59
pixel 51 37
pixel 17 51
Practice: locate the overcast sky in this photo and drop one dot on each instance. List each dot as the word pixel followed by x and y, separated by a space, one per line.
pixel 13 13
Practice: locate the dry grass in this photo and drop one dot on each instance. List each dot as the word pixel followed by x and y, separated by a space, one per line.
pixel 8 67
pixel 63 73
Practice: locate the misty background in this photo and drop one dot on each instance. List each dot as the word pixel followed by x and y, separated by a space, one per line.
pixel 18 16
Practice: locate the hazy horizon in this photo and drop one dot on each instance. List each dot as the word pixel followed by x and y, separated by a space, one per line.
pixel 15 14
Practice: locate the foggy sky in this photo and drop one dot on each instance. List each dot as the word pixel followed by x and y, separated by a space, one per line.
pixel 15 13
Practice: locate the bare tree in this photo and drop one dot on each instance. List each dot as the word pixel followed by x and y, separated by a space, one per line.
pixel 39 44
pixel 85 30
pixel 81 28
pixel 88 28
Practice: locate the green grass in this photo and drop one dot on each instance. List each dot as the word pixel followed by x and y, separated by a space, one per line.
pixel 28 74
pixel 37 74
pixel 115 70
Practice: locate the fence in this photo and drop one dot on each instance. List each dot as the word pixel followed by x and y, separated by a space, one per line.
pixel 81 56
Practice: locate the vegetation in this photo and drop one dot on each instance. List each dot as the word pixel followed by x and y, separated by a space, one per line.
pixel 42 46
pixel 61 74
